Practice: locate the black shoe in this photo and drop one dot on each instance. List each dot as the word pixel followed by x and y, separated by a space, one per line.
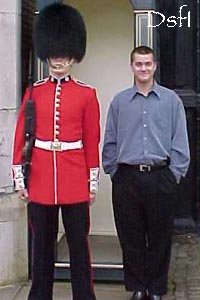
pixel 139 295
pixel 155 297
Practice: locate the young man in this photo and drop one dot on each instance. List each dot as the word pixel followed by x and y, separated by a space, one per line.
pixel 145 152
pixel 65 162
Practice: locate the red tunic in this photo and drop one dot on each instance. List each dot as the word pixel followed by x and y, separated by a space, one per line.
pixel 67 112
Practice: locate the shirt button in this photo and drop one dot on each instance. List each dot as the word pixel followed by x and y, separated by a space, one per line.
pixel 144 112
pixel 145 125
pixel 145 138
pixel 145 152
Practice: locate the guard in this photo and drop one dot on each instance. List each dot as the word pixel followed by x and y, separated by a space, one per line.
pixel 64 166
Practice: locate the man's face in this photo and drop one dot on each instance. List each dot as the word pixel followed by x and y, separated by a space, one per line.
pixel 59 66
pixel 143 67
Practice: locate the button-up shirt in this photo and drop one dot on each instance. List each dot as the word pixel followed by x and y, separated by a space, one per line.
pixel 146 130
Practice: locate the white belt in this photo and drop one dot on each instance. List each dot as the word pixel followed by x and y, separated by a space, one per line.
pixel 58 146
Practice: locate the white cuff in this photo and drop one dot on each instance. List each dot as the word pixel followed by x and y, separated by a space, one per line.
pixel 94 186
pixel 94 180
pixel 18 177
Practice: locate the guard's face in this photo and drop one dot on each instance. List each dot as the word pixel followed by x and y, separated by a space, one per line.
pixel 143 67
pixel 60 66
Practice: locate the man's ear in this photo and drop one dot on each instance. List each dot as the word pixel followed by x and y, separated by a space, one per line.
pixel 155 66
pixel 131 66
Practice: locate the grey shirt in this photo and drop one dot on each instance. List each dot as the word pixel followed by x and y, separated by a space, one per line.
pixel 146 130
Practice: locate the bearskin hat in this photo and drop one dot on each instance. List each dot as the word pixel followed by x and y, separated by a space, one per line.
pixel 59 31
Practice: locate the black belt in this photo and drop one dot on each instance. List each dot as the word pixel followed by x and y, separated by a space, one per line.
pixel 146 168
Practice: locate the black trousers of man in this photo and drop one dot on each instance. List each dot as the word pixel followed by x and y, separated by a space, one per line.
pixel 144 205
pixel 43 222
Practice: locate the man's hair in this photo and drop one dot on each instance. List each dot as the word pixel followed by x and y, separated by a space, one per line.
pixel 141 50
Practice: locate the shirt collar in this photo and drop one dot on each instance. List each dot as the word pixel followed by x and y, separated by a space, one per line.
pixel 66 78
pixel 155 90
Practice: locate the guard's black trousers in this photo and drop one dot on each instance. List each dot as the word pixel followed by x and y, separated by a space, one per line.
pixel 76 221
pixel 144 205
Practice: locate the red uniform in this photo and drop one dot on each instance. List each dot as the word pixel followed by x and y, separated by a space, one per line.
pixel 66 112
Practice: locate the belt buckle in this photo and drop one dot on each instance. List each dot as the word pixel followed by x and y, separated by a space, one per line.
pixel 145 168
pixel 56 146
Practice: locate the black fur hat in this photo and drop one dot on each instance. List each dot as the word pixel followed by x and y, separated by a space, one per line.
pixel 59 31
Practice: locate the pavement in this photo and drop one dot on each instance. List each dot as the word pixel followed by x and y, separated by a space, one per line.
pixel 184 276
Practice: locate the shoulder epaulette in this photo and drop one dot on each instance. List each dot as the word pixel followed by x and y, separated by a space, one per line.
pixel 40 82
pixel 83 84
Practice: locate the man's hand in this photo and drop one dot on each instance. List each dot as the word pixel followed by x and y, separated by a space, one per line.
pixel 92 198
pixel 23 195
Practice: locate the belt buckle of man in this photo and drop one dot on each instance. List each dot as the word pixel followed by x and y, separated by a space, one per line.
pixel 145 168
pixel 56 146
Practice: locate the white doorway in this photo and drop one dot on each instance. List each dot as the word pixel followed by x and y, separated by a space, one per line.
pixel 106 67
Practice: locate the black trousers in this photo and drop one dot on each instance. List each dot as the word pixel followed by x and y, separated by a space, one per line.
pixel 144 205
pixel 43 222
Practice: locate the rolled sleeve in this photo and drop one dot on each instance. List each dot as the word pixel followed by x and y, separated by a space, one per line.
pixel 109 157
pixel 180 153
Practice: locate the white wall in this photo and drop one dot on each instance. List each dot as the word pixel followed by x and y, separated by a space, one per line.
pixel 106 66
pixel 13 222
pixel 10 22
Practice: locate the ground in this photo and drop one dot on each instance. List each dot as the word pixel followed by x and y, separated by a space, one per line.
pixel 184 276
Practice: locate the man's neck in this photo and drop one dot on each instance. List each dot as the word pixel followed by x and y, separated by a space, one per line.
pixel 144 88
pixel 59 76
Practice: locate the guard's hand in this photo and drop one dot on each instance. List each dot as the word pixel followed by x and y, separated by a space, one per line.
pixel 23 195
pixel 92 198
